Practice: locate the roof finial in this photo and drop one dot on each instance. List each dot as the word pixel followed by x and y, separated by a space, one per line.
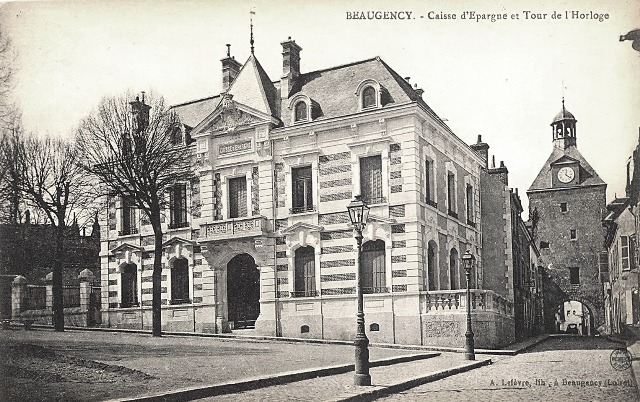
pixel 228 50
pixel 251 14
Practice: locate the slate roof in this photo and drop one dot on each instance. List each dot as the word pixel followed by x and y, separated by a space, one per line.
pixel 252 87
pixel 588 175
pixel 333 91
pixel 193 112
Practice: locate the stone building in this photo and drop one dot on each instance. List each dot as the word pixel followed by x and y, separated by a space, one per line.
pixel 566 202
pixel 261 238
pixel 620 267
pixel 509 254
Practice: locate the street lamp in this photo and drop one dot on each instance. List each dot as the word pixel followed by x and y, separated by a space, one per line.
pixel 633 36
pixel 359 213
pixel 468 261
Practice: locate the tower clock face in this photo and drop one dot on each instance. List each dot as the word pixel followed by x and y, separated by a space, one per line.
pixel 566 174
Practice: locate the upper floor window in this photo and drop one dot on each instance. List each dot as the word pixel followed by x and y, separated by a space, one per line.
pixel 574 275
pixel 129 285
pixel 301 112
pixel 573 235
pixel 470 201
pixel 563 207
pixel 305 272
pixel 628 252
pixel 128 217
pixel 302 189
pixel 451 194
pixel 178 206
pixel 237 197
pixel 180 281
pixel 369 97
pixel 371 179
pixel 429 179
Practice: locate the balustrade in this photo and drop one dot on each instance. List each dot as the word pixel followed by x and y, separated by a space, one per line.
pixel 455 300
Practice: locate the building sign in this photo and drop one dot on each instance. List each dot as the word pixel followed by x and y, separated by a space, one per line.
pixel 237 146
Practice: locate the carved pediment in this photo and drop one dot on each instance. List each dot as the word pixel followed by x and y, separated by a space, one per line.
pixel 126 247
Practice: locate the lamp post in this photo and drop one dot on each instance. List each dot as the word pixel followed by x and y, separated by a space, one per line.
pixel 359 213
pixel 468 260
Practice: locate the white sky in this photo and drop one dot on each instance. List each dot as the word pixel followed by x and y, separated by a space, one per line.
pixel 503 80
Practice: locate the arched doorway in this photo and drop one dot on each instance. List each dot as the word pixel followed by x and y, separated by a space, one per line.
pixel 574 317
pixel 243 291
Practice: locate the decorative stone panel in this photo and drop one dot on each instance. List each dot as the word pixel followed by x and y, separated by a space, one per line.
pixel 335 177
pixel 280 189
pixel 255 189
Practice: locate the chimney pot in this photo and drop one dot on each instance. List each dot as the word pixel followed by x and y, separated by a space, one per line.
pixel 479 138
pixel 407 79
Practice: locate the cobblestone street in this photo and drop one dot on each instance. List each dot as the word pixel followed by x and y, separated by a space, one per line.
pixel 561 369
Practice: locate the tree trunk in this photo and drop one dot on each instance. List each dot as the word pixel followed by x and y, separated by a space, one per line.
pixel 156 304
pixel 58 302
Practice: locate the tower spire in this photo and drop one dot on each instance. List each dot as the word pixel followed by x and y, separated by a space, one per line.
pixel 251 14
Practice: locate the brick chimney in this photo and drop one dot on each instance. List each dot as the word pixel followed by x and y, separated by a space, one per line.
pixel 230 69
pixel 501 173
pixel 290 66
pixel 140 111
pixel 482 150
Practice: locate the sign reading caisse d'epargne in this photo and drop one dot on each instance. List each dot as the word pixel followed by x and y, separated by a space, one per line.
pixel 237 146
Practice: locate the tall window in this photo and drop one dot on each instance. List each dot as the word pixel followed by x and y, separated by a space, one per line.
pixel 470 214
pixel 574 275
pixel 368 97
pixel 305 272
pixel 373 267
pixel 429 191
pixel 453 269
pixel 237 197
pixel 451 194
pixel 302 188
pixel 301 111
pixel 180 281
pixel 431 265
pixel 128 217
pixel 178 206
pixel 563 207
pixel 371 179
pixel 129 286
pixel 626 260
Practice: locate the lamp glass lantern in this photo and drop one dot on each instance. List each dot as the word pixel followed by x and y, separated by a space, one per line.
pixel 358 213
pixel 468 260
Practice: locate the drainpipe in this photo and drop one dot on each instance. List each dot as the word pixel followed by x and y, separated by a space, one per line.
pixel 274 201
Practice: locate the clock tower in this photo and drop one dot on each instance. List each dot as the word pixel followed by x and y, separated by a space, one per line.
pixel 566 201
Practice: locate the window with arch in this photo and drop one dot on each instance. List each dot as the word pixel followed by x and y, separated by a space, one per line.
pixel 431 265
pixel 374 273
pixel 300 111
pixel 129 285
pixel 180 281
pixel 453 269
pixel 369 97
pixel 305 272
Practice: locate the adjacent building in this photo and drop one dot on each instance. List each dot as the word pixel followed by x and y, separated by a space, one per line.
pixel 620 268
pixel 566 202
pixel 260 238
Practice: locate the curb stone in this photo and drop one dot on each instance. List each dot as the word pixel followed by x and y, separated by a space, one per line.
pixel 372 394
pixel 230 387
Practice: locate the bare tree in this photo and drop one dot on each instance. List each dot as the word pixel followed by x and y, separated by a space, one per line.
pixel 7 59
pixel 50 179
pixel 131 148
pixel 10 197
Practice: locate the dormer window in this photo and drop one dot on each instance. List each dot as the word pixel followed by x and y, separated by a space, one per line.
pixel 301 111
pixel 369 97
